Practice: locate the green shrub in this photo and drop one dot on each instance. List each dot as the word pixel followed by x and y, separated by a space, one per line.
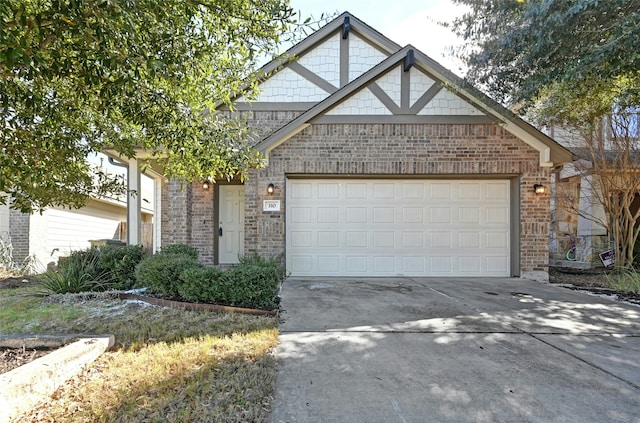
pixel 200 284
pixel 251 286
pixel 180 249
pixel 121 262
pixel 242 286
pixel 624 280
pixel 275 263
pixel 79 272
pixel 254 283
pixel 160 273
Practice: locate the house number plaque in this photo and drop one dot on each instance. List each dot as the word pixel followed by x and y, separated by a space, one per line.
pixel 271 205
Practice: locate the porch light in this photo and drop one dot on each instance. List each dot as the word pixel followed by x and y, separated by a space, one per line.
pixel 206 185
pixel 270 189
pixel 538 189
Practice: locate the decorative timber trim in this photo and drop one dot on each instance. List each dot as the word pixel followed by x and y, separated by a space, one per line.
pixel 426 98
pixel 312 77
pixel 384 98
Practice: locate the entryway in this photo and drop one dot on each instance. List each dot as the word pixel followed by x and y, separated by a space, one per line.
pixel 230 223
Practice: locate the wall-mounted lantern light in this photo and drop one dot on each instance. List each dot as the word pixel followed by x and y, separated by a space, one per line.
pixel 206 185
pixel 538 189
pixel 270 189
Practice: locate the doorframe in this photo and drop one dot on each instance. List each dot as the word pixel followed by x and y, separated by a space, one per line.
pixel 216 217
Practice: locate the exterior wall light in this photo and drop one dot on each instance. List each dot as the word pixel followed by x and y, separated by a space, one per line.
pixel 538 189
pixel 270 189
pixel 206 184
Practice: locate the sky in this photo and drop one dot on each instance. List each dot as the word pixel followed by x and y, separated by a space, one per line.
pixel 412 22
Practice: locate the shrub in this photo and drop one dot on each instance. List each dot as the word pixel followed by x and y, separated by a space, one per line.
pixel 251 286
pixel 175 273
pixel 160 273
pixel 79 272
pixel 200 284
pixel 275 263
pixel 180 249
pixel 120 262
pixel 242 286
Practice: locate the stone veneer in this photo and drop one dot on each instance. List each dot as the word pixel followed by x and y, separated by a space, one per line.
pixel 377 150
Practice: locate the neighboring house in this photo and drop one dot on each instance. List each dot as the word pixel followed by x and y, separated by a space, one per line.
pixel 380 163
pixel 57 231
pixel 577 210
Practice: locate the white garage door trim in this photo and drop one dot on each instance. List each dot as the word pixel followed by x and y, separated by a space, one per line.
pixel 389 227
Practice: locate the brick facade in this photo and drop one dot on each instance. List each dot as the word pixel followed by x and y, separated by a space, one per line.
pixel 459 151
pixel 19 225
pixel 377 150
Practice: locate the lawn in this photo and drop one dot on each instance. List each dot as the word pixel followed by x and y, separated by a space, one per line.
pixel 168 364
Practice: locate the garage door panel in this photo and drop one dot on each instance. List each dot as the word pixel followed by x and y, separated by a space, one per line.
pixel 384 239
pixel 469 191
pixel 497 215
pixel 395 227
pixel 413 191
pixel 328 239
pixel 469 240
pixel 356 264
pixel 469 215
pixel 470 264
pixel 440 215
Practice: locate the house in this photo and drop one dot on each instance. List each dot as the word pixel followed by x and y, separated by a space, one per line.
pixel 380 162
pixel 585 193
pixel 57 231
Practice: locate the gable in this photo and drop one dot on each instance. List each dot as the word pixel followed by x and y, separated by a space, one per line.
pixel 406 93
pixel 320 65
pixel 409 87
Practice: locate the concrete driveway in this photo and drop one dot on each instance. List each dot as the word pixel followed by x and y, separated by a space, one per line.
pixel 454 350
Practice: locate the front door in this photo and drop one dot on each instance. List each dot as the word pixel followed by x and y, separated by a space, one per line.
pixel 231 224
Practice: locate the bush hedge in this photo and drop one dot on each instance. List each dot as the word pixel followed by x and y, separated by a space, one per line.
pixel 160 273
pixel 175 274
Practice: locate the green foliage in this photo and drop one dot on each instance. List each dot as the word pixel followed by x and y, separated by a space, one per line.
pixel 202 284
pixel 180 249
pixel 517 49
pixel 79 272
pixel 624 280
pixel 161 273
pixel 254 283
pixel 251 286
pixel 276 264
pixel 118 263
pixel 94 269
pixel 77 77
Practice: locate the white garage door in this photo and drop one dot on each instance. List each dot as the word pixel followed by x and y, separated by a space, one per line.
pixel 358 227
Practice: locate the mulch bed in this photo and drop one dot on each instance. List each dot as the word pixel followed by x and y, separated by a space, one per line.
pixel 590 280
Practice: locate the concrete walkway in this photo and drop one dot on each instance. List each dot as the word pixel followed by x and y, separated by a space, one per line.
pixel 454 350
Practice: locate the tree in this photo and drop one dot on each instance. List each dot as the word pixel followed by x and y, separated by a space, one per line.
pixel 80 76
pixel 572 63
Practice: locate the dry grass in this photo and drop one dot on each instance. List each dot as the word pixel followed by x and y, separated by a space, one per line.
pixel 169 365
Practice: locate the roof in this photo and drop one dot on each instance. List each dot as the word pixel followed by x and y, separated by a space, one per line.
pixel 551 153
